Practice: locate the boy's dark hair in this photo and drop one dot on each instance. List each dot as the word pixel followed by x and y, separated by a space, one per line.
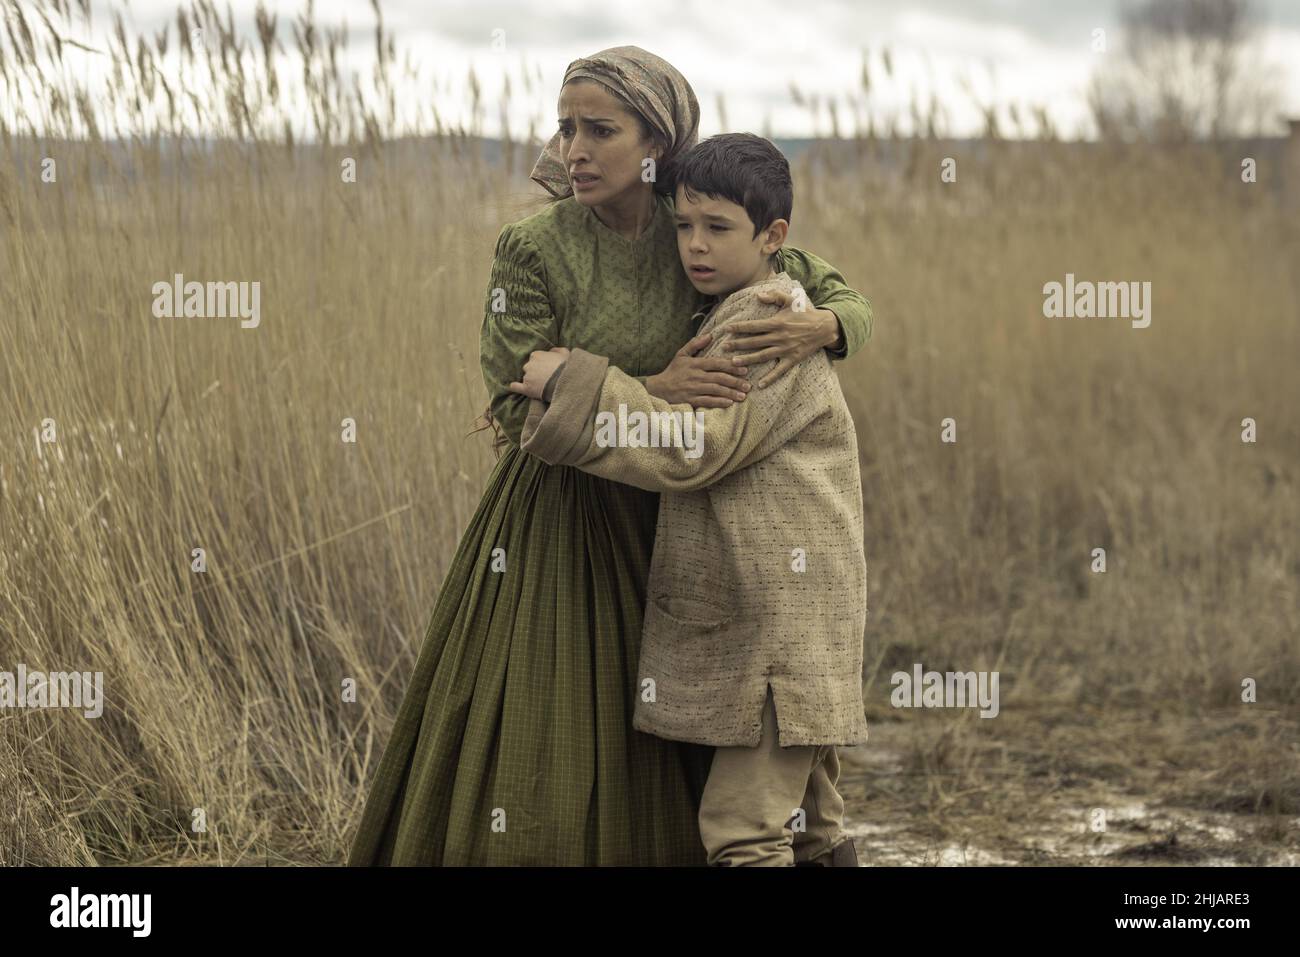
pixel 741 167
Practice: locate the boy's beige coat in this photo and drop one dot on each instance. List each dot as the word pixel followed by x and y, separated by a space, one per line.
pixel 758 575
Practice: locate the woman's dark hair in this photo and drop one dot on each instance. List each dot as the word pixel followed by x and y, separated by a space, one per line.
pixel 741 167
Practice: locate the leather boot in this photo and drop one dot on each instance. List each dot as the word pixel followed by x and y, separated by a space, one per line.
pixel 843 854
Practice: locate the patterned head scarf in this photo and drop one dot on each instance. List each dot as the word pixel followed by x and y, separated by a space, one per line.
pixel 643 82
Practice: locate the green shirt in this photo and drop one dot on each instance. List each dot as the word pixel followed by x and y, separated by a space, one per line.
pixel 561 277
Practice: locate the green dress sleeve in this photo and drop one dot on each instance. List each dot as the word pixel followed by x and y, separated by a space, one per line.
pixel 827 290
pixel 517 319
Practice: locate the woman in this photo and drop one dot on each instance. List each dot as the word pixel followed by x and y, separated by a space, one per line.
pixel 514 743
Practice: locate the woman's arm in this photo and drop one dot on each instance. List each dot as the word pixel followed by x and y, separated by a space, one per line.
pixel 840 322
pixel 517 319
pixel 582 390
pixel 828 290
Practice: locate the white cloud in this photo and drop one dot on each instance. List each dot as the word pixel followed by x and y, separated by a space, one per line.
pixel 749 51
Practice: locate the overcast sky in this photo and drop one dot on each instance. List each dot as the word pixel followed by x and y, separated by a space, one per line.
pixel 1025 51
pixel 751 51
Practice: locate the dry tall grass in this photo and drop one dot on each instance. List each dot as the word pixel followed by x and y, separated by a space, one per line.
pixel 223 689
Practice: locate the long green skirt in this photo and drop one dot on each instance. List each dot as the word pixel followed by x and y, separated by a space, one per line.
pixel 514 743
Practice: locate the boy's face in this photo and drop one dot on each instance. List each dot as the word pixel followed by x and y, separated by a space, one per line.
pixel 716 242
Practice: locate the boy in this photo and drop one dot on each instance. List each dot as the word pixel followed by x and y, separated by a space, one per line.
pixel 752 638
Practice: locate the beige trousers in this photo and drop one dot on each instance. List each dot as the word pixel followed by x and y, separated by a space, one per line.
pixel 771 806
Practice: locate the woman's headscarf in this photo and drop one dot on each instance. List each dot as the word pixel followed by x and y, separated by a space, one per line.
pixel 644 82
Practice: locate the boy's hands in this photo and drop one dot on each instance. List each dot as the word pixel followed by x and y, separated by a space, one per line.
pixel 789 337
pixel 708 382
pixel 538 371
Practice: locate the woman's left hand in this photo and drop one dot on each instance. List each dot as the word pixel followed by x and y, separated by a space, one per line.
pixel 789 337
pixel 538 371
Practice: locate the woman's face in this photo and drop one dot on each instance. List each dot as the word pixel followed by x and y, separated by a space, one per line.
pixel 601 144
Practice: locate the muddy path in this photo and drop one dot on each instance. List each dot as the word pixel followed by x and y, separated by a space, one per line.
pixel 1139 790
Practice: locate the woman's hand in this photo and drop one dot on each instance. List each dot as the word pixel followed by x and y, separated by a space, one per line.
pixel 708 382
pixel 789 337
pixel 538 371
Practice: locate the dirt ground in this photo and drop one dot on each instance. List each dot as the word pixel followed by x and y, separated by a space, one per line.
pixel 1076 789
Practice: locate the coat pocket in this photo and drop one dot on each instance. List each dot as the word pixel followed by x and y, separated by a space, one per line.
pixel 687 613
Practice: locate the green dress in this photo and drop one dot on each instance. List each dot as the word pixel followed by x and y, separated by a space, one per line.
pixel 514 742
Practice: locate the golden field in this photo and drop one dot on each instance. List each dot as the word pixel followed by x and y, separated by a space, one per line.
pixel 223 689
